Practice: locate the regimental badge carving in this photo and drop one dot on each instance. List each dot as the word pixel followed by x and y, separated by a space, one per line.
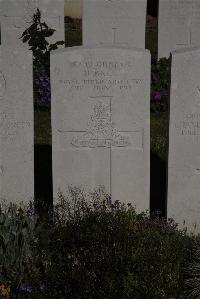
pixel 2 85
pixel 101 131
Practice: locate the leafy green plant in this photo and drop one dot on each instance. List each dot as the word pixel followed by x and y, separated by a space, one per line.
pixel 36 36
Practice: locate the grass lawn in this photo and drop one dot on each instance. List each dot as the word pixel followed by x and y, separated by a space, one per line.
pixel 42 127
pixel 73 38
pixel 159 134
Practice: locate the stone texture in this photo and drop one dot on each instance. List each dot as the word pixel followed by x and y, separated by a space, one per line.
pixel 100 121
pixel 178 26
pixel 115 22
pixel 16 126
pixel 17 15
pixel 184 139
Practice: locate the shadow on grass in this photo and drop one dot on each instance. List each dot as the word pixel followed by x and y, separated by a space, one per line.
pixel 43 179
pixel 157 184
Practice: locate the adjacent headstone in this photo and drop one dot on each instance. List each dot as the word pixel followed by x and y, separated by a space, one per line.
pixel 1 13
pixel 184 139
pixel 16 125
pixel 17 16
pixel 115 22
pixel 100 121
pixel 179 25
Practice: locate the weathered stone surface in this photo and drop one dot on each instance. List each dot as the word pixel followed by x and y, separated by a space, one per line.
pixel 17 16
pixel 16 126
pixel 100 121
pixel 184 139
pixel 115 22
pixel 179 25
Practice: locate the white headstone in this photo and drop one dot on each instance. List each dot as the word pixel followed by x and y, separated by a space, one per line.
pixel 1 13
pixel 115 22
pixel 179 25
pixel 16 126
pixel 184 139
pixel 17 16
pixel 100 121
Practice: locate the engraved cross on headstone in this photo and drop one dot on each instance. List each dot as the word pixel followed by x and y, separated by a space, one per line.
pixel 114 33
pixel 2 85
pixel 189 37
pixel 101 132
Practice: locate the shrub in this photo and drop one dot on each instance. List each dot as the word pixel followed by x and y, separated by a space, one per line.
pixel 17 226
pixel 100 249
pixel 192 283
pixel 97 248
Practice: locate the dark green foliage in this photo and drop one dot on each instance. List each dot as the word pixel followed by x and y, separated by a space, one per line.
pixel 100 249
pixel 36 36
pixel 16 238
pixel 193 272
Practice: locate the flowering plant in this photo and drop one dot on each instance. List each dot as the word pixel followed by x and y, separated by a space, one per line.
pixel 42 90
pixel 160 85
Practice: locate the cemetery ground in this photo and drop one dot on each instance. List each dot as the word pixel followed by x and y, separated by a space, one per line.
pixel 91 247
pixel 100 249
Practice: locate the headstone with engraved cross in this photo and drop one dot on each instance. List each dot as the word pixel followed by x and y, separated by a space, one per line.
pixel 115 22
pixel 16 126
pixel 184 139
pixel 179 25
pixel 100 121
pixel 16 16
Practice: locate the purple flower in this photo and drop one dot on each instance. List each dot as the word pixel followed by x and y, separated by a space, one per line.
pixel 26 288
pixel 157 96
pixel 40 99
pixel 148 222
pixel 43 89
pixel 155 77
pixel 157 212
pixel 43 81
pixel 41 287
pixel 31 212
